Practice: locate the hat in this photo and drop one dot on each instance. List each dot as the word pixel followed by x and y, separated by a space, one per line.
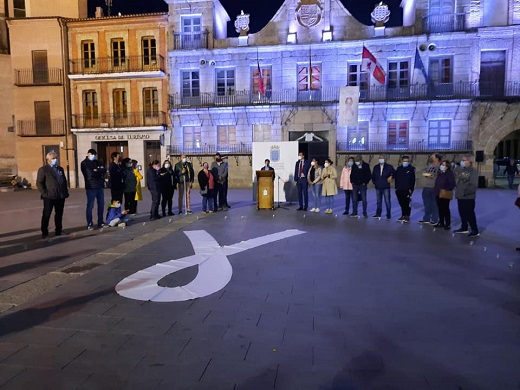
pixel 359 157
pixel 92 151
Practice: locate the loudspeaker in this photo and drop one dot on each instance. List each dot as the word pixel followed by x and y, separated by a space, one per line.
pixel 479 156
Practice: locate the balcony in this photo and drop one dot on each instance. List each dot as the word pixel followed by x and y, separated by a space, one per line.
pixel 210 150
pixel 415 92
pixel 41 128
pixel 117 65
pixel 111 121
pixel 412 147
pixel 444 23
pixel 190 41
pixel 31 77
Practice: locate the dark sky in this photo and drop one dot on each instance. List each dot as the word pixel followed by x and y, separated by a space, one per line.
pixel 361 9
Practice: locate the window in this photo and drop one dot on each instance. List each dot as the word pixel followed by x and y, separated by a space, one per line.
pixel 118 52
pixel 441 16
pixel 227 136
pixel 262 133
pixel 265 81
pixel 225 82
pixel 90 105
pixel 190 86
pixel 151 102
pixel 441 75
pixel 191 32
pixel 48 149
pixel 88 52
pixel 42 114
pixel 399 79
pixel 40 67
pixel 120 104
pixel 19 8
pixel 192 138
pixel 441 7
pixel 309 81
pixel 397 135
pixel 492 72
pixel 439 134
pixel 357 77
pixel 358 136
pixel 149 48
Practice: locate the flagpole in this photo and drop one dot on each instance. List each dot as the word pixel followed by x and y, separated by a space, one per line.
pixel 310 72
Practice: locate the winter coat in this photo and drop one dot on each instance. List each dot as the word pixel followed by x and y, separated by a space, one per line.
pixel 329 176
pixel 152 180
pixel 117 175
pixel 138 189
pixel 94 174
pixel 381 180
pixel 52 183
pixel 467 183
pixel 444 181
pixel 344 181
pixel 360 174
pixel 405 178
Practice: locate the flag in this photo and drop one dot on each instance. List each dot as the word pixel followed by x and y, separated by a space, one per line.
pixel 369 64
pixel 261 88
pixel 418 64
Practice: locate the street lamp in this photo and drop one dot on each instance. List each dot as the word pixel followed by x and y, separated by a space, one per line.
pixel 109 5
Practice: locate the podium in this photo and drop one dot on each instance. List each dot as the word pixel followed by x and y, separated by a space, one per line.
pixel 265 189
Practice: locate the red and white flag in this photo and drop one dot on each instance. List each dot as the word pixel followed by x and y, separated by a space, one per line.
pixel 369 64
pixel 261 87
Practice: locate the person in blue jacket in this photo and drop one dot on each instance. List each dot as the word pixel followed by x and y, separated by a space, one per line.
pixel 301 169
pixel 382 175
pixel 404 187
pixel 115 215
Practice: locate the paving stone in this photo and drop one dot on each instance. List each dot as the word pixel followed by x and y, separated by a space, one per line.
pixel 44 356
pixel 41 335
pixel 7 373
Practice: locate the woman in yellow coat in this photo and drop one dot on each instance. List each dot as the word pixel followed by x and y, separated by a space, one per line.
pixel 330 188
pixel 138 189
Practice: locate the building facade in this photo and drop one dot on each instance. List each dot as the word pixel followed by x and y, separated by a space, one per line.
pixel 283 83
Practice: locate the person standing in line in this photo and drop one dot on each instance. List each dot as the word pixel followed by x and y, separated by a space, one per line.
pixel 168 184
pixel 207 185
pixel 330 188
pixel 382 176
pixel 226 181
pixel 316 183
pixel 267 167
pixel 154 186
pixel 429 174
pixel 138 190
pixel 185 174
pixel 404 187
pixel 301 169
pixel 52 185
pixel 129 185
pixel 360 176
pixel 116 172
pixel 219 170
pixel 467 184
pixel 346 184
pixel 511 171
pixel 94 173
pixel 444 185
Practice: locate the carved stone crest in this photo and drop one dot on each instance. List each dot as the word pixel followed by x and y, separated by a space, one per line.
pixel 242 23
pixel 309 12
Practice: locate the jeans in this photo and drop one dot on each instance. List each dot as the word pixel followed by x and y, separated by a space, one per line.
pixel 329 200
pixel 403 197
pixel 359 190
pixel 467 214
pixel 444 211
pixel 316 194
pixel 302 186
pixel 510 181
pixel 48 205
pixel 431 212
pixel 97 195
pixel 380 193
pixel 207 201
pixel 348 197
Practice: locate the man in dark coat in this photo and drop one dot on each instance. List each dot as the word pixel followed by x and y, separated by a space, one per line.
pixel 52 184
pixel 404 187
pixel 94 173
pixel 301 169
pixel 360 176
pixel 116 171
pixel 382 175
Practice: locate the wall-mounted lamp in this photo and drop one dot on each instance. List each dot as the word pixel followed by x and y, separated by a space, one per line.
pixel 292 38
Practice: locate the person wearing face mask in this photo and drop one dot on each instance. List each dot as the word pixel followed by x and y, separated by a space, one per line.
pixel 404 187
pixel 346 184
pixel 138 189
pixel 316 183
pixel 52 185
pixel 129 185
pixel 154 186
pixel 185 178
pixel 443 189
pixel 467 184
pixel 329 175
pixel 301 169
pixel 207 185
pixel 168 183
pixel 116 173
pixel 429 174
pixel 267 167
pixel 94 173
pixel 360 176
pixel 382 175
pixel 220 172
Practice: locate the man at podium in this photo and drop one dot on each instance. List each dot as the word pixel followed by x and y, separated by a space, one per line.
pixel 268 167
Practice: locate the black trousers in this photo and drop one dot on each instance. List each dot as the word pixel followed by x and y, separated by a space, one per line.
pixel 403 197
pixel 467 214
pixel 116 195
pixel 58 205
pixel 220 193
pixel 156 200
pixel 167 199
pixel 130 202
pixel 444 211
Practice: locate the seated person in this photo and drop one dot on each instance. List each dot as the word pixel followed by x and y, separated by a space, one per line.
pixel 116 216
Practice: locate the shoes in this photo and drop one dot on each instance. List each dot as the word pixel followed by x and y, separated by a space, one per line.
pixel 447 227
pixel 210 211
pixel 461 231
pixel 228 206
pixel 474 234
pixel 205 211
pixel 219 209
pixel 433 223
pixel 45 235
pixel 388 217
pixel 376 216
pixel 400 219
pixel 365 215
pixel 313 210
pixel 354 216
pixel 225 208
pixel 61 233
pixel 328 211
pixel 299 209
pixel 189 211
pixel 122 224
pixel 345 213
pixel 90 226
pixel 316 210
pixel 421 222
pixel 101 225
pixel 438 225
pixel 171 213
pixel 406 218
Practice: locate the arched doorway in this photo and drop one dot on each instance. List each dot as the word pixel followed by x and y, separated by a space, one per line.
pixel 507 149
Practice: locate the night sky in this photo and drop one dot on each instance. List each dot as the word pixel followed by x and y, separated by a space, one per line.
pixel 361 9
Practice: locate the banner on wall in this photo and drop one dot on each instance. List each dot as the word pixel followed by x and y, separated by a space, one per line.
pixel 348 106
pixel 283 156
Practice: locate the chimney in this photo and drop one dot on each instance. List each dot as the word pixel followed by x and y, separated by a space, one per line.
pixel 99 12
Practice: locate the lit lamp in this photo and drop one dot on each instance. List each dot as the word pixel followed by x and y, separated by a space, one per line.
pixel 326 35
pixel 292 38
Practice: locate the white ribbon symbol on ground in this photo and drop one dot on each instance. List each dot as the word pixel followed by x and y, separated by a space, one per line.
pixel 215 270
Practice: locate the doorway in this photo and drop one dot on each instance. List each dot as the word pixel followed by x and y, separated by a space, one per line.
pixel 105 149
pixel 152 151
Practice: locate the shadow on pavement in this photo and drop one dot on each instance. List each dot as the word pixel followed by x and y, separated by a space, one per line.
pixel 17 233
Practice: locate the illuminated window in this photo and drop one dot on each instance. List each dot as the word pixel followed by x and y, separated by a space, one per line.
pixel 439 134
pixel 225 82
pixel 358 136
pixel 192 137
pixel 309 80
pixel 397 135
pixel 191 32
pixel 226 136
pixel 357 77
pixel 266 79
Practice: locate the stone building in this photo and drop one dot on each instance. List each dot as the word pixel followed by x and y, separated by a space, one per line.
pixel 283 83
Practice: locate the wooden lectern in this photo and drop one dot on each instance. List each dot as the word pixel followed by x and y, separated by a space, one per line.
pixel 265 189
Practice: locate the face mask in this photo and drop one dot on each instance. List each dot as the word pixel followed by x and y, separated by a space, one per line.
pixel 405 163
pixel 313 163
pixel 157 168
pixel 184 160
pixel 92 157
pixel 219 160
pixel 463 164
pixel 129 165
pixel 381 161
pixel 430 161
pixel 300 157
pixel 350 163
pixel 205 167
pixel 326 165
pixel 54 162
pixel 167 165
pixel 358 163
pixel 442 168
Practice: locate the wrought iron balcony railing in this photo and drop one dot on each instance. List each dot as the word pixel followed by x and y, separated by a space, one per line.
pixel 415 92
pixel 129 119
pixel 210 150
pixel 41 128
pixel 32 77
pixel 117 65
pixel 190 41
pixel 444 23
pixel 411 147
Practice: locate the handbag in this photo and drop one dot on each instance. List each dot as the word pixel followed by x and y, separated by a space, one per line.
pixel 204 191
pixel 446 194
pixel 517 202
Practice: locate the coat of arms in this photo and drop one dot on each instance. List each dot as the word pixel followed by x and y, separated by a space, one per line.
pixel 309 12
pixel 275 153
pixel 242 23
